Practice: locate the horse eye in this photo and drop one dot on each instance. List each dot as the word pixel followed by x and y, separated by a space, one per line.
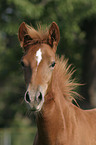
pixel 53 64
pixel 22 63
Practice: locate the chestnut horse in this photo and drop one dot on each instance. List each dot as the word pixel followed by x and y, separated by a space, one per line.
pixel 50 91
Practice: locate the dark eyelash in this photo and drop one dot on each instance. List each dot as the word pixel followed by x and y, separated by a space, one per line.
pixel 22 63
pixel 53 64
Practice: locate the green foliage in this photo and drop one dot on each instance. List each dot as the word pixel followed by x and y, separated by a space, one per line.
pixel 18 136
pixel 69 15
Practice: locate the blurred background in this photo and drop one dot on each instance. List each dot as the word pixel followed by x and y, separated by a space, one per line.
pixel 77 22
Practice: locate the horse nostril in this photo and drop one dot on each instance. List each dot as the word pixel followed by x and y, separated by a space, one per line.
pixel 40 97
pixel 27 97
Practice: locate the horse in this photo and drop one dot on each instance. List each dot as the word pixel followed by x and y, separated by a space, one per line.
pixel 50 90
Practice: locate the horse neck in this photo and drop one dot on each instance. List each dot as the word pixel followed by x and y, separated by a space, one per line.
pixel 51 122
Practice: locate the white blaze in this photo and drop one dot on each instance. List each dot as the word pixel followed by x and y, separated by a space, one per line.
pixel 38 56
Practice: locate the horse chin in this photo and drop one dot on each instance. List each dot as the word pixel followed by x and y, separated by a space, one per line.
pixel 36 108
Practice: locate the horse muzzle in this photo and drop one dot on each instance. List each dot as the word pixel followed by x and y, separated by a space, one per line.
pixel 36 102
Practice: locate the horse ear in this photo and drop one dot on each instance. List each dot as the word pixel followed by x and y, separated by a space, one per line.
pixel 23 34
pixel 54 36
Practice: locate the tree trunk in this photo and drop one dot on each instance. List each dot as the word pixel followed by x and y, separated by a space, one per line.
pixel 89 65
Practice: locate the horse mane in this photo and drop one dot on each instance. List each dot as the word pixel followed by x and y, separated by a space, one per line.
pixel 37 36
pixel 63 75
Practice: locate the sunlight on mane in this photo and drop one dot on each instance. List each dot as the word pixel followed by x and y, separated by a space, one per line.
pixel 40 34
pixel 63 74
